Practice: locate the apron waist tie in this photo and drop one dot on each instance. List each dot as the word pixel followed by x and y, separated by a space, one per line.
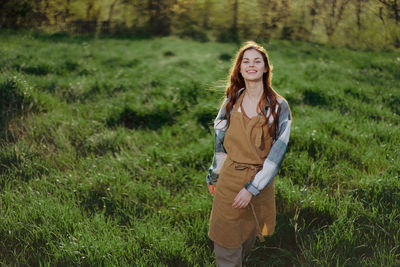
pixel 260 235
pixel 242 166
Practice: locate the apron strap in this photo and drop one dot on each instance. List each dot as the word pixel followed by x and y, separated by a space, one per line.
pixel 260 235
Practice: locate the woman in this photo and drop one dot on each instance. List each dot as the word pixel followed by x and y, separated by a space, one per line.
pixel 251 135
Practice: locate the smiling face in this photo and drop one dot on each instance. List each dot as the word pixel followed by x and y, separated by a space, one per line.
pixel 252 66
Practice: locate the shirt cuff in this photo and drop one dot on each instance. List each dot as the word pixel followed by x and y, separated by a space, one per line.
pixel 211 178
pixel 252 189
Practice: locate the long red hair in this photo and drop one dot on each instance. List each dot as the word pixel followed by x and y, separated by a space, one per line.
pixel 236 82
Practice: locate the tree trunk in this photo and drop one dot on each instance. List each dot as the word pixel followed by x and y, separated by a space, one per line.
pixel 111 11
pixel 381 15
pixel 394 6
pixel 335 16
pixel 206 15
pixel 313 12
pixel 358 14
pixel 235 20
pixel 396 11
pixel 67 10
pixel 158 19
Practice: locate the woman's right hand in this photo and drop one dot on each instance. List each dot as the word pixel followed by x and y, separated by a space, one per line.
pixel 211 188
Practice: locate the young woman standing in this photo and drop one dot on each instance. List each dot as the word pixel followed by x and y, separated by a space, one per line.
pixel 251 135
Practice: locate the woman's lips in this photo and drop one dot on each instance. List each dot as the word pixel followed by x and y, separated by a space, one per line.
pixel 251 71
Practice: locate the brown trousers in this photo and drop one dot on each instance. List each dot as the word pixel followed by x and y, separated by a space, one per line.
pixel 232 257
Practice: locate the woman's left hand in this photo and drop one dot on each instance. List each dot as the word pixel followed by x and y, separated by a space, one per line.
pixel 242 199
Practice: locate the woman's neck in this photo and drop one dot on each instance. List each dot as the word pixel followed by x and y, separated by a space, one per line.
pixel 254 90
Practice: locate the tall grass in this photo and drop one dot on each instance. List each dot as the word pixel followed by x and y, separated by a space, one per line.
pixel 105 144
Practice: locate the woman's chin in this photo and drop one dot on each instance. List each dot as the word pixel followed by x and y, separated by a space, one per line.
pixel 252 79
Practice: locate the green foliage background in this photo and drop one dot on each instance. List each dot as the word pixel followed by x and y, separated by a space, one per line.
pixel 106 142
pixel 352 23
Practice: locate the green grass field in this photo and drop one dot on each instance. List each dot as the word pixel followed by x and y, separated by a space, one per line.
pixel 108 143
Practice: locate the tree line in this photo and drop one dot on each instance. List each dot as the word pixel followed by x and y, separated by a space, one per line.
pixel 360 23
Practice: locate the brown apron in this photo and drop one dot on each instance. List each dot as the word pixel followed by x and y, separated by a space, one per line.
pixel 247 143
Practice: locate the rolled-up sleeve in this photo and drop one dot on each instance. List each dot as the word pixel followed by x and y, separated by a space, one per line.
pixel 275 157
pixel 219 157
